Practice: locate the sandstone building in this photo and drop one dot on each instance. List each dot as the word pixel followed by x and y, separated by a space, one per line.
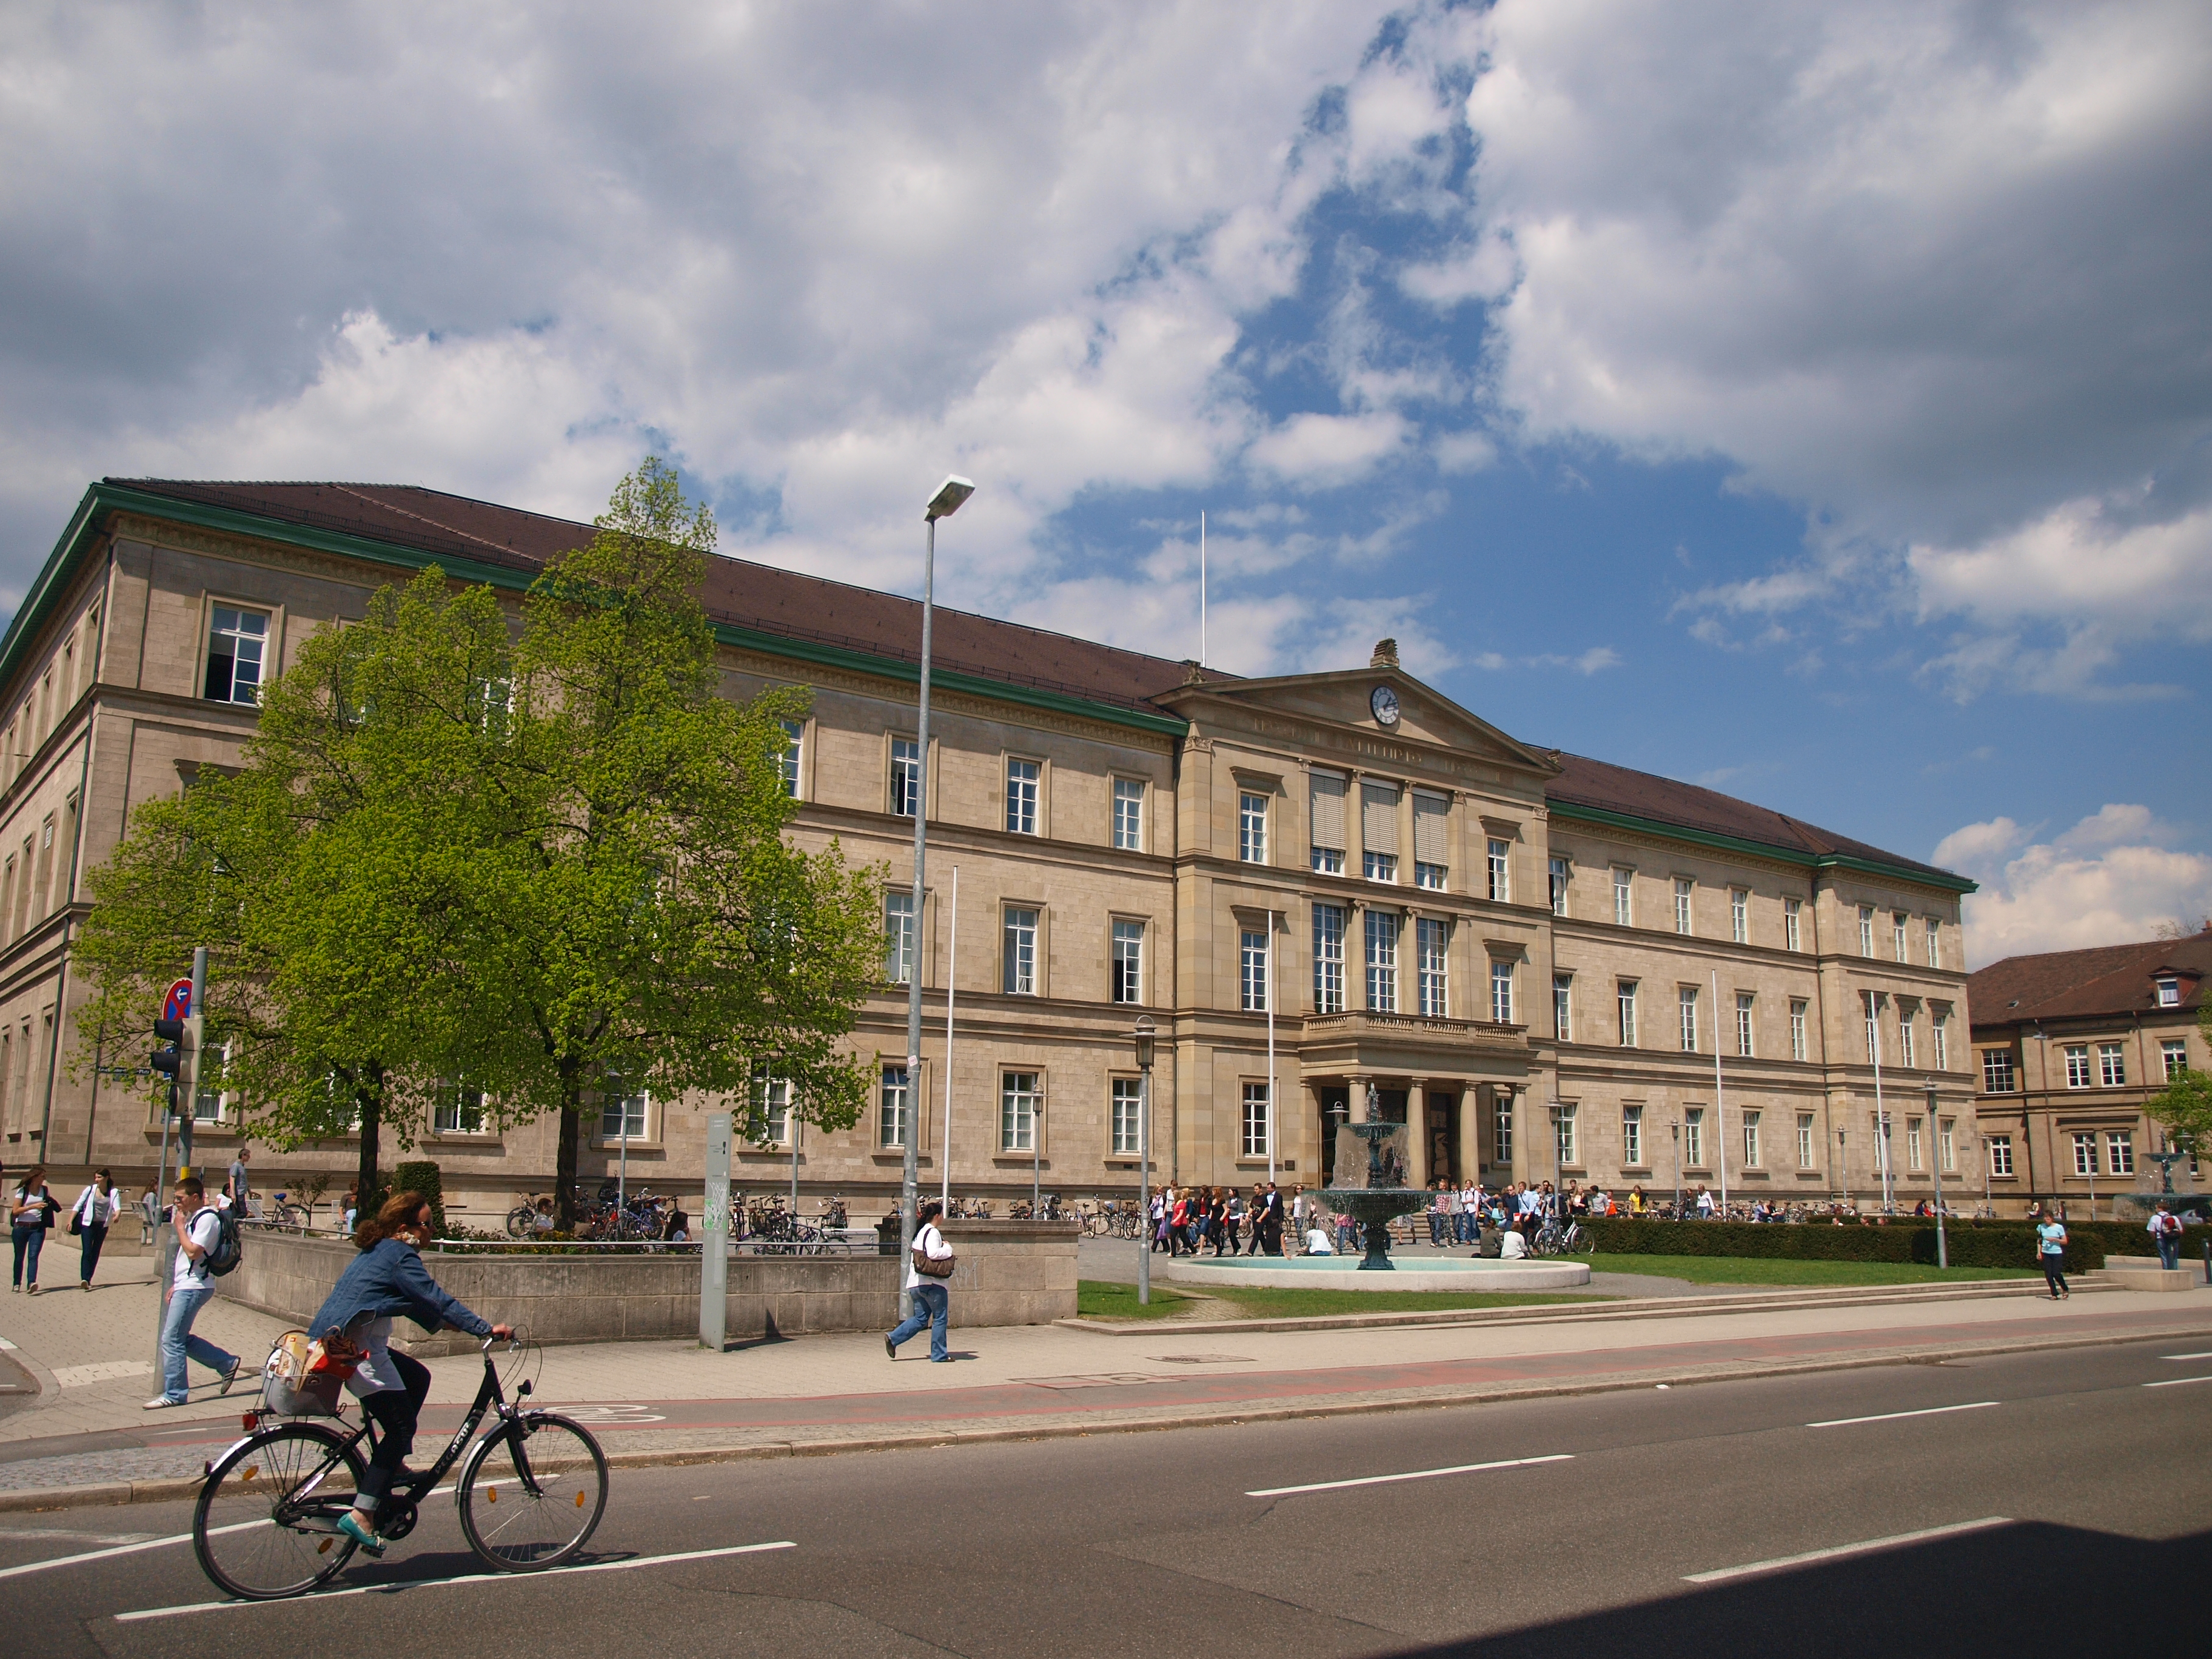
pixel 1529 956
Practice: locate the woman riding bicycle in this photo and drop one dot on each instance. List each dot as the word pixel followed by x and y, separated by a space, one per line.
pixel 388 1278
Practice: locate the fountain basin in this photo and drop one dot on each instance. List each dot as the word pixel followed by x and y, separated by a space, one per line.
pixel 1343 1273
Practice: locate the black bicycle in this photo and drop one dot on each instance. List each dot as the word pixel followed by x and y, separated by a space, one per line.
pixel 530 1493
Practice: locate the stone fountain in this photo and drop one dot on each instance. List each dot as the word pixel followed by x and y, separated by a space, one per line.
pixel 1372 1189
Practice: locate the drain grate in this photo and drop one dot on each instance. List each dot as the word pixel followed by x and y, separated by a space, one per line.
pixel 1201 1359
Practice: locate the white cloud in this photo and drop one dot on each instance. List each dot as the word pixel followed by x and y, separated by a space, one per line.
pixel 1323 451
pixel 2107 880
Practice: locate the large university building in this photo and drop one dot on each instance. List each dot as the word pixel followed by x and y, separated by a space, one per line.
pixel 1338 896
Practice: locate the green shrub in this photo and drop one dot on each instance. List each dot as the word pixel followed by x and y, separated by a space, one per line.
pixel 1972 1243
pixel 424 1178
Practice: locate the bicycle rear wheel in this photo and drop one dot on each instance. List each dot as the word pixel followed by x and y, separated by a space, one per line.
pixel 532 1492
pixel 266 1526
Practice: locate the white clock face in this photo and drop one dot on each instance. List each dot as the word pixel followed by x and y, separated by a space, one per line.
pixel 1385 703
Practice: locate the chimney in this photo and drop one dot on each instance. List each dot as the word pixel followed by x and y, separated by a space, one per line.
pixel 1386 654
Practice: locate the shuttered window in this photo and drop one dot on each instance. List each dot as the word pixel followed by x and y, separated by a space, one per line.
pixel 1328 823
pixel 1378 817
pixel 1430 822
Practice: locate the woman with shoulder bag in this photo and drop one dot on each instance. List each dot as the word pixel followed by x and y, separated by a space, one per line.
pixel 97 1209
pixel 929 1264
pixel 30 1212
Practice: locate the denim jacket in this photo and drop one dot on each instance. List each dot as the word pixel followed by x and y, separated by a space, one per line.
pixel 389 1278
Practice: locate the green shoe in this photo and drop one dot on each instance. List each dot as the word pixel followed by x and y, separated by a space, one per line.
pixel 350 1524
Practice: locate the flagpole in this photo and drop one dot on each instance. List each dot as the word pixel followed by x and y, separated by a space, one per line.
pixel 1271 1049
pixel 951 958
pixel 1719 1107
pixel 1201 589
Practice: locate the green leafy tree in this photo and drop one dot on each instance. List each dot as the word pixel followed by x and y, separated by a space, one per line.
pixel 2184 1108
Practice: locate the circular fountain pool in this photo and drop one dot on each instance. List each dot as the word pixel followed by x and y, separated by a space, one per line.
pixel 1342 1273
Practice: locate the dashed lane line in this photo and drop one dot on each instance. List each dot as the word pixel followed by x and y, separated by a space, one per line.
pixel 1891 1417
pixel 1414 1475
pixel 1839 1550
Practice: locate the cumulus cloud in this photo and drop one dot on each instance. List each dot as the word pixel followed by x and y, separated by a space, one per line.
pixel 2112 878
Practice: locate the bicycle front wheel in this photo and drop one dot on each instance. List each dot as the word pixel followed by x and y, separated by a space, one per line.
pixel 266 1526
pixel 532 1492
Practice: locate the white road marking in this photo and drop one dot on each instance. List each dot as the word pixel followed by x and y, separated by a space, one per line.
pixel 2186 1356
pixel 1415 1474
pixel 2178 1382
pixel 470 1578
pixel 124 1549
pixel 1780 1561
pixel 1891 1417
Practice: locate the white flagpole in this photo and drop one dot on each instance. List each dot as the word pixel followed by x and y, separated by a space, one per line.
pixel 1719 1107
pixel 951 957
pixel 1880 1116
pixel 1201 589
pixel 1271 1047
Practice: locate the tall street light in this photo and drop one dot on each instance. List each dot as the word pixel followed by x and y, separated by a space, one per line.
pixel 942 505
pixel 1145 1044
pixel 1935 1174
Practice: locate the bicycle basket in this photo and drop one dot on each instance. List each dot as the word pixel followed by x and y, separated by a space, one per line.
pixel 298 1381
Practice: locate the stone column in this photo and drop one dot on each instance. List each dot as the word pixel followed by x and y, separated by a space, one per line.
pixel 1417 1132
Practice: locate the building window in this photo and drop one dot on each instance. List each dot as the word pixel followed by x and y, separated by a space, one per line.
pixel 1565 1148
pixel 1751 1140
pixel 1685 892
pixel 893 1107
pixel 1252 953
pixel 1379 866
pixel 1938 1025
pixel 1022 797
pixel 1253 1141
pixel 1128 1107
pixel 1873 1028
pixel 1912 1143
pixel 2120 1152
pixel 236 641
pixel 1432 841
pixel 1625 994
pixel 906 777
pixel 1804 1141
pixel 1329 841
pixel 1501 871
pixel 1018 957
pixel 1129 814
pixel 772 1111
pixel 1896 924
pixel 458 1110
pixel 1378 830
pixel 1432 937
pixel 1793 912
pixel 1797 1044
pixel 1251 827
pixel 2077 1065
pixel 898 938
pixel 1996 1071
pixel 1693 1136
pixel 1329 958
pixel 1129 962
pixel 1383 961
pixel 1934 943
pixel 2112 1066
pixel 1905 1036
pixel 794 743
pixel 1865 930
pixel 1740 915
pixel 1563 1007
pixel 1558 886
pixel 2085 1153
pixel 1624 910
pixel 1743 1003
pixel 2174 1053
pixel 1501 1128
pixel 2000 1155
pixel 2169 994
pixel 1501 991
pixel 1946 1145
pixel 623 1116
pixel 1018 1101
pixel 1689 1002
pixel 1631 1137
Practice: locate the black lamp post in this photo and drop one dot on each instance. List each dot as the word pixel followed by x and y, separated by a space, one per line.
pixel 1145 1047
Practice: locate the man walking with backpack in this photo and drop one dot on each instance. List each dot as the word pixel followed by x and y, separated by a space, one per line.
pixel 2165 1231
pixel 202 1250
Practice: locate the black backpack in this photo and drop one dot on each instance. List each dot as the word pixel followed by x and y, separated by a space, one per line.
pixel 229 1247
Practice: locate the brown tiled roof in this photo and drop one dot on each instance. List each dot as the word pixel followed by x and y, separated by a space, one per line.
pixel 741 593
pixel 2106 980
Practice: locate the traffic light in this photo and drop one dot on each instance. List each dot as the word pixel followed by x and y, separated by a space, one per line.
pixel 169 1062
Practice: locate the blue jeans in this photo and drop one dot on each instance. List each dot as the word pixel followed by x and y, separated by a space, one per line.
pixel 2169 1250
pixel 179 1341
pixel 931 1307
pixel 28 1242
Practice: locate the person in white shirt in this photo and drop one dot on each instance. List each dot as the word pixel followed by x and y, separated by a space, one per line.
pixel 198 1224
pixel 2165 1230
pixel 932 1304
pixel 97 1209
pixel 1317 1241
pixel 1511 1246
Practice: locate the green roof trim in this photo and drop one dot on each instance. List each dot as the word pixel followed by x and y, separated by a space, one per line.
pixel 103 499
pixel 1797 855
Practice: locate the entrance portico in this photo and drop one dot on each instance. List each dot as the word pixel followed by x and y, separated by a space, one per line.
pixel 1430 1074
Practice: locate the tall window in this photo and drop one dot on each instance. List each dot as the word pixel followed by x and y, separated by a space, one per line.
pixel 1798 1044
pixel 458 1110
pixel 906 777
pixel 1253 1141
pixel 1913 1150
pixel 1946 1145
pixel 1129 1105
pixel 2112 1066
pixel 1896 926
pixel 2000 1155
pixel 1563 1007
pixel 1501 1128
pixel 1501 870
pixel 1383 961
pixel 1739 915
pixel 1934 943
pixel 1329 958
pixel 2169 994
pixel 2173 1054
pixel 1501 991
pixel 1018 1100
pixel 795 742
pixel 1939 1027
pixel 1873 1029
pixel 1804 1141
pixel 2085 1152
pixel 1689 1001
pixel 1378 830
pixel 1631 1137
pixel 898 938
pixel 1328 840
pixel 1022 797
pixel 1743 1007
pixel 1018 954
pixel 1751 1140
pixel 236 640
pixel 1685 893
pixel 1865 930
pixel 1904 1038
pixel 1432 841
pixel 1996 1071
pixel 1251 827
pixel 2120 1152
pixel 1252 952
pixel 1431 937
pixel 624 1115
pixel 1693 1138
pixel 1623 912
pixel 1793 912
pixel 1129 814
pixel 1564 1147
pixel 894 1107
pixel 1129 962
pixel 1625 996
pixel 1558 886
pixel 771 1110
pixel 2077 1065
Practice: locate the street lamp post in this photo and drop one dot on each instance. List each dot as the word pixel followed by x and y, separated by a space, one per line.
pixel 1935 1175
pixel 1037 1160
pixel 1675 1129
pixel 945 503
pixel 1842 1170
pixel 1145 1041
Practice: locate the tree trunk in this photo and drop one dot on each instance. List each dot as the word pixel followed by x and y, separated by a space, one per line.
pixel 368 1095
pixel 564 1172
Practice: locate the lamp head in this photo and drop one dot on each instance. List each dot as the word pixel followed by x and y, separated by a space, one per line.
pixel 946 502
pixel 1145 1042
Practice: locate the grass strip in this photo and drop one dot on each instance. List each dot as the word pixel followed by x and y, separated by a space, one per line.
pixel 1101 1298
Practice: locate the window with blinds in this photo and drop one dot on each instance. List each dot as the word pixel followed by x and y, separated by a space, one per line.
pixel 1432 841
pixel 1329 843
pixel 1378 830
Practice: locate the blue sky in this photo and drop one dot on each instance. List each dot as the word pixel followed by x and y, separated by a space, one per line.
pixel 1813 401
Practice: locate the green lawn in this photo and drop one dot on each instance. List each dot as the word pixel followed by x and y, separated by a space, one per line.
pixel 1099 1299
pixel 1755 1270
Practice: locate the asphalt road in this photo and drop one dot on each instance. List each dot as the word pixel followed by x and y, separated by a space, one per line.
pixel 2086 1477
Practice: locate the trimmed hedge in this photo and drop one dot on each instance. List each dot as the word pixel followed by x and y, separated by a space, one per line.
pixel 1972 1243
pixel 424 1178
